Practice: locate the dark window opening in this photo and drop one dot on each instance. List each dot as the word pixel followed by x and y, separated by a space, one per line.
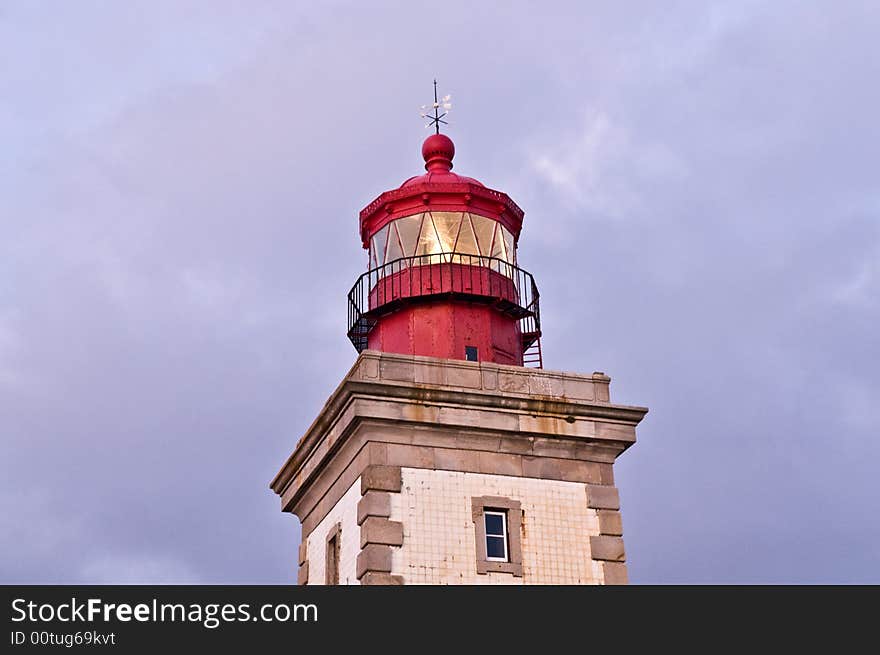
pixel 331 572
pixel 471 353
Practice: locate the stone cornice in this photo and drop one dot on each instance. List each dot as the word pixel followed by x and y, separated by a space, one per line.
pixel 430 382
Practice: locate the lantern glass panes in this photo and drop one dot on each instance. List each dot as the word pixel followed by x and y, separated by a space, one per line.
pixel 467 242
pixel 484 229
pixel 377 248
pixel 509 245
pixel 461 237
pixel 408 228
pixel 447 225
pixel 393 252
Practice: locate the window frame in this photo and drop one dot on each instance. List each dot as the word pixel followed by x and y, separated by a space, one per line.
pixel 503 536
pixel 512 509
pixel 333 548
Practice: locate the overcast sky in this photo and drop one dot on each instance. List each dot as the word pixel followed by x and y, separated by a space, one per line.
pixel 179 191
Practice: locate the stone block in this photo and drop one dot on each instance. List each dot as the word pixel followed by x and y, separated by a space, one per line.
pixel 573 470
pixel 481 418
pixel 490 379
pixel 602 497
pixel 375 557
pixel 519 445
pixel 513 382
pixel 421 457
pixel 380 478
pixel 602 387
pixel 545 385
pixel 375 578
pixel 374 503
pixel 453 459
pixel 378 530
pixel 607 548
pixel 579 389
pixel 545 468
pixel 397 369
pixel 616 431
pixel 429 373
pixel 468 377
pixel 615 573
pixel 369 368
pixel 500 463
pixel 610 522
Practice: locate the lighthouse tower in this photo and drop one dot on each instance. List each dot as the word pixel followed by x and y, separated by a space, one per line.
pixel 448 455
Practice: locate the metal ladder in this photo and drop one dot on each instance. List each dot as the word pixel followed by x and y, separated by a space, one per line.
pixel 532 350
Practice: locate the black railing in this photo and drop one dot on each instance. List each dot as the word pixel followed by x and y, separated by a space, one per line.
pixel 425 277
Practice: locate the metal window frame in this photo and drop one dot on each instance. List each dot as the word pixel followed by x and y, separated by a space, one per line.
pixel 487 512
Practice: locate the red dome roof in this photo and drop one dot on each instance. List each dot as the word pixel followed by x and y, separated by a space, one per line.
pixel 438 151
pixel 439 190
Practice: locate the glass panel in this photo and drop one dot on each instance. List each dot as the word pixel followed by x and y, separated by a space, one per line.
pixel 494 524
pixel 379 241
pixel 429 244
pixel 483 227
pixel 394 251
pixel 498 244
pixel 508 245
pixel 495 548
pixel 447 225
pixel 467 243
pixel 409 227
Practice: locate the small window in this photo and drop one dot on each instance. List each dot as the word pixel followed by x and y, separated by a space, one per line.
pixel 331 571
pixel 471 353
pixel 498 529
pixel 496 536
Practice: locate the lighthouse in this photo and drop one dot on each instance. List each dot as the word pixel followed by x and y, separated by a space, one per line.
pixel 448 454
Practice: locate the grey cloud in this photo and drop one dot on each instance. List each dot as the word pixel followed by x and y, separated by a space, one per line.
pixel 179 193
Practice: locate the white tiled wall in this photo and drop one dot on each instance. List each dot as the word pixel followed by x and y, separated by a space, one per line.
pixel 344 512
pixel 438 542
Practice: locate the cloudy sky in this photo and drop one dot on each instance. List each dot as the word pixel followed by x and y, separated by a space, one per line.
pixel 179 190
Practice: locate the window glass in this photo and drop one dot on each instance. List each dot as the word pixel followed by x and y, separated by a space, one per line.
pixel 495 548
pixel 467 243
pixel 494 524
pixel 483 227
pixel 509 245
pixel 379 241
pixel 471 354
pixel 394 251
pixel 409 227
pixel 429 244
pixel 496 535
pixel 432 233
pixel 498 244
pixel 446 224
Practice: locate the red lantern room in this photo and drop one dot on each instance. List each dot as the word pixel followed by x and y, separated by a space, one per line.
pixel 443 278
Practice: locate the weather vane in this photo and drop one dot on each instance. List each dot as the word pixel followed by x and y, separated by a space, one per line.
pixel 443 105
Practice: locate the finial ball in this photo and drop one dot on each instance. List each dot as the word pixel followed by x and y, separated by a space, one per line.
pixel 438 151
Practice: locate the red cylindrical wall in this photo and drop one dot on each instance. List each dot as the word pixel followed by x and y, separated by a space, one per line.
pixel 444 329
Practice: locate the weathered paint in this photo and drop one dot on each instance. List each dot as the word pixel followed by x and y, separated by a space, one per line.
pixel 443 329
